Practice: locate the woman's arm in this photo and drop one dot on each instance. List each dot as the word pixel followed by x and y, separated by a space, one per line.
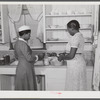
pixel 71 55
pixel 68 56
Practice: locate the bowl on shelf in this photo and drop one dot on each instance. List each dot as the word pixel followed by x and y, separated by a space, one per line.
pixel 53 39
pixel 70 12
pixel 54 12
pixel 53 26
pixel 85 25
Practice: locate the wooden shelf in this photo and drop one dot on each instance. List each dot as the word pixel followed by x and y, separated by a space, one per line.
pixel 48 29
pixel 56 41
pixel 78 15
pixel 53 23
pixel 86 41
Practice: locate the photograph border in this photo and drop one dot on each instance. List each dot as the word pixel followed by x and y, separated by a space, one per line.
pixel 52 95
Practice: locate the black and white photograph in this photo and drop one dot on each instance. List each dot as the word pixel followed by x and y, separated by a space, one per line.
pixel 50 47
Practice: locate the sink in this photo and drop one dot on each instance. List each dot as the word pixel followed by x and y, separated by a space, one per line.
pixel 37 63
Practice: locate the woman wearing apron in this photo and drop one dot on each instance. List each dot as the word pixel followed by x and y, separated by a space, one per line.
pixel 76 66
pixel 25 74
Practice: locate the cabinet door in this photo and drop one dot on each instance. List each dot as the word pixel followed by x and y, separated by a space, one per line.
pixel 4 29
pixel 56 78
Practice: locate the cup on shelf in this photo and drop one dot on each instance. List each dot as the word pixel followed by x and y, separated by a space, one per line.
pixel 51 13
pixel 85 25
pixel 64 13
pixel 70 12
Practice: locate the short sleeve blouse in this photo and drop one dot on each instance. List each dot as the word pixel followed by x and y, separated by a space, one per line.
pixel 76 41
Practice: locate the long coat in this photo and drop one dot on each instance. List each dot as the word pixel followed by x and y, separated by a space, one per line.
pixel 25 74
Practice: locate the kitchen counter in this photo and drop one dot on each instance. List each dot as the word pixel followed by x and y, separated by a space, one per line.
pixel 11 69
pixel 54 76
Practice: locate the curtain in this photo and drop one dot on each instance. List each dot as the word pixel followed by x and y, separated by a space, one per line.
pixel 14 13
pixel 36 12
pixel 40 30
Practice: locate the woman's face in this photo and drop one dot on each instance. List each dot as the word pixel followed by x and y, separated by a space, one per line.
pixel 70 30
pixel 27 36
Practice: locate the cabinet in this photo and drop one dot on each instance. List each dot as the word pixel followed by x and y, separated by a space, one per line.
pixel 56 18
pixel 52 78
pixel 56 82
pixel 4 25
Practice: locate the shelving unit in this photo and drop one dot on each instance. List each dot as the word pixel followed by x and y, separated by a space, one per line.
pixel 55 21
pixel 51 29
pixel 78 15
pixel 56 41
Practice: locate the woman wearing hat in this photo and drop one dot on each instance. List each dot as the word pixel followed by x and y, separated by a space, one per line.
pixel 25 75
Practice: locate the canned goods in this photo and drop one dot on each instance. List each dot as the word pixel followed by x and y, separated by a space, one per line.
pixel 46 60
pixel 6 59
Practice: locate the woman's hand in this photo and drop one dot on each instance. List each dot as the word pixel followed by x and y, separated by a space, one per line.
pixel 61 57
pixel 41 56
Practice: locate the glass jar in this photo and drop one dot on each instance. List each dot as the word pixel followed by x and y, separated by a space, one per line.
pixel 46 59
pixel 6 59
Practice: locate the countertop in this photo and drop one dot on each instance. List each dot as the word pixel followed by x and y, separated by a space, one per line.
pixel 40 68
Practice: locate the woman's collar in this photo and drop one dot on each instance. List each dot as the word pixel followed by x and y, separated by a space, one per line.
pixel 22 40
